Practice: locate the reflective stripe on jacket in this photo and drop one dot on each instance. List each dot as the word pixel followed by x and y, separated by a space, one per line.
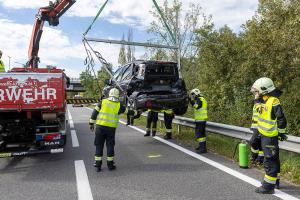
pixel 201 114
pixel 267 126
pixel 169 111
pixel 254 117
pixel 108 114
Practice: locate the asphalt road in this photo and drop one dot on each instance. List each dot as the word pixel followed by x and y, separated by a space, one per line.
pixel 147 168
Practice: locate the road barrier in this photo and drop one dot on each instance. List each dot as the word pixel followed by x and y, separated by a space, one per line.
pixel 292 144
pixel 83 101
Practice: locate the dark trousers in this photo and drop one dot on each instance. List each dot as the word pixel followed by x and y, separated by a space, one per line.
pixel 200 129
pixel 168 118
pixel 200 135
pixel 152 118
pixel 256 148
pixel 271 160
pixel 130 117
pixel 105 135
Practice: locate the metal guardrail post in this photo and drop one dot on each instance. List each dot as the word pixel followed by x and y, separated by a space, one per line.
pixel 178 128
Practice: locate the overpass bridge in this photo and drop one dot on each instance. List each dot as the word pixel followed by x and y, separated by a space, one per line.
pixel 75 85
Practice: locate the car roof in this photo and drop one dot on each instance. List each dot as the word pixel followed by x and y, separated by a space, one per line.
pixel 153 62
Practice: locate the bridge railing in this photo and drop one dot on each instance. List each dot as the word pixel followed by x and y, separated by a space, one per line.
pixel 292 144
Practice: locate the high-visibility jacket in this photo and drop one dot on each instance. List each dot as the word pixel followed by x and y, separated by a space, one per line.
pixel 201 113
pixel 254 116
pixel 2 68
pixel 108 114
pixel 266 125
pixel 169 111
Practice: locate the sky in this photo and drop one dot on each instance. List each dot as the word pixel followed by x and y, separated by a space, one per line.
pixel 62 46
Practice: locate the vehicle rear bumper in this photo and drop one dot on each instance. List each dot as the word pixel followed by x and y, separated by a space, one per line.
pixel 161 102
pixel 30 152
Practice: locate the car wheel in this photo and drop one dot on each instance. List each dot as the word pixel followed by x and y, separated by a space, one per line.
pixel 180 111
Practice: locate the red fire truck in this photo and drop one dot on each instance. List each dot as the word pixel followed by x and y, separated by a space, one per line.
pixel 33 100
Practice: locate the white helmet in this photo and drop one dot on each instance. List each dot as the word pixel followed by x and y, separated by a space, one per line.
pixel 114 92
pixel 263 85
pixel 195 92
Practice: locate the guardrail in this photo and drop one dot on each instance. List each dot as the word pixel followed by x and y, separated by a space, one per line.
pixel 292 144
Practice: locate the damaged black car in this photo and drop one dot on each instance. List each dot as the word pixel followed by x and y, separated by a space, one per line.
pixel 150 84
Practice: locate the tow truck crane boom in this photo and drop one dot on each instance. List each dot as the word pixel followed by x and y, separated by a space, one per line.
pixel 51 14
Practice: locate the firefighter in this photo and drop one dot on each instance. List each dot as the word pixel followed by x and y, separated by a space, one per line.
pixel 131 113
pixel 257 155
pixel 271 124
pixel 168 118
pixel 200 115
pixel 2 68
pixel 152 118
pixel 106 117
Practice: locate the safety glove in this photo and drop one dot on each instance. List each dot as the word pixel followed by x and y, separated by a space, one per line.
pixel 282 136
pixel 92 127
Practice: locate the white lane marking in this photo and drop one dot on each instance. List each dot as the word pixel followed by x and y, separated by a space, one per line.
pixel 71 123
pixel 75 142
pixel 252 181
pixel 70 119
pixel 69 115
pixel 83 186
pixel 88 108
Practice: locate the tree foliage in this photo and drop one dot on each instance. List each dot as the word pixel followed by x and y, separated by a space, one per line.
pixel 186 25
pixel 227 64
pixel 122 54
pixel 127 56
pixel 94 85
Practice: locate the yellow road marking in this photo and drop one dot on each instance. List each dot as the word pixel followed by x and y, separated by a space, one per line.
pixel 154 155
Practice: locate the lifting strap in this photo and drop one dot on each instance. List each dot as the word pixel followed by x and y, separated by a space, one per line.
pixel 164 21
pixel 156 6
pixel 96 17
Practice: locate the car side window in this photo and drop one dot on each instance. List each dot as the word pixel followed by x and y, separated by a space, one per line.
pixel 141 71
pixel 117 73
pixel 121 72
pixel 127 73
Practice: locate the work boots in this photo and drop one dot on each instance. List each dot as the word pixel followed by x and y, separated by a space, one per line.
pixel 277 186
pixel 153 133
pixel 263 190
pixel 168 136
pixel 111 165
pixel 97 165
pixel 147 134
pixel 201 148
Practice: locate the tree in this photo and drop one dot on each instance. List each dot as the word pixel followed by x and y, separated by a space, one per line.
pixel 90 85
pixel 185 31
pixel 94 85
pixel 272 49
pixel 122 55
pixel 130 49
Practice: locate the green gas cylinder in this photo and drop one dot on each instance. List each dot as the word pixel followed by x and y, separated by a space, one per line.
pixel 243 155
